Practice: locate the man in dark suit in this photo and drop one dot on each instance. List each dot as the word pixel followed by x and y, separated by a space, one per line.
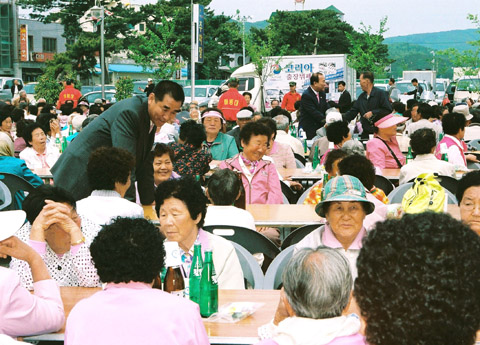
pixel 372 104
pixel 345 100
pixel 313 105
pixel 129 124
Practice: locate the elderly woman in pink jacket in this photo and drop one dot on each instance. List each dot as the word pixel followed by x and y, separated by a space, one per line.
pixel 259 177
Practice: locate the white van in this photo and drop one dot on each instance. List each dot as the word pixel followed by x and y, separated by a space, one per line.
pixel 467 87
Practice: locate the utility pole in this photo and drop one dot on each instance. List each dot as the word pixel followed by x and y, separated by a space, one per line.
pixel 192 59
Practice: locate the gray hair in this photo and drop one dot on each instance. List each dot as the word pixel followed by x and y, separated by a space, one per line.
pixel 353 147
pixel 318 282
pixel 282 122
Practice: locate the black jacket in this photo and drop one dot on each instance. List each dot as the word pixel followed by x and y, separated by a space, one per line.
pixel 377 103
pixel 312 111
pixel 345 102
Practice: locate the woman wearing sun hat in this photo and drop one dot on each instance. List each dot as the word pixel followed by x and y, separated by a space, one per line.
pixel 344 206
pixel 383 150
pixel 23 313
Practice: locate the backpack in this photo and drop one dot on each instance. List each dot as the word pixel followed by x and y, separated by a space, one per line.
pixel 426 194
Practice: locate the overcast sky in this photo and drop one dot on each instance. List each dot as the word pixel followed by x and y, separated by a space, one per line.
pixel 404 16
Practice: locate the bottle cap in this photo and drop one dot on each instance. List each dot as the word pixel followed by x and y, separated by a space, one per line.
pixel 172 254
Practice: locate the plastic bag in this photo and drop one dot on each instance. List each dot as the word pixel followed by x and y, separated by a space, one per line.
pixel 234 312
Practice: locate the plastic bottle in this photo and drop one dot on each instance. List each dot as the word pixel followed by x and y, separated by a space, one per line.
pixel 196 273
pixel 174 282
pixel 444 151
pixel 208 287
pixel 70 130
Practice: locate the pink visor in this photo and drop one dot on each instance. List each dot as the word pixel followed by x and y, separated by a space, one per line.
pixel 213 113
pixel 390 120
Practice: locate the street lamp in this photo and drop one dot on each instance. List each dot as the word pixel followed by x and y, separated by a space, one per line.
pixel 99 12
pixel 244 19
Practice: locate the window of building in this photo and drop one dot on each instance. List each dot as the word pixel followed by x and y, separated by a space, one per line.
pixel 141 27
pixel 30 43
pixel 49 45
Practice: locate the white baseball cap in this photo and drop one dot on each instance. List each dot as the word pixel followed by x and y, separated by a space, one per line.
pixel 463 109
pixel 11 221
pixel 333 116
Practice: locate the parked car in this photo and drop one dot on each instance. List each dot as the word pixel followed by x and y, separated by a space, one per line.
pixel 449 92
pixel 90 97
pixel 406 86
pixel 467 87
pixel 6 84
pixel 107 88
pixel 30 90
pixel 84 89
pixel 440 88
pixel 202 92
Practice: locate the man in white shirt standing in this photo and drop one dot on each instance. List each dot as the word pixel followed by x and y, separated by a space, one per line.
pixel 423 142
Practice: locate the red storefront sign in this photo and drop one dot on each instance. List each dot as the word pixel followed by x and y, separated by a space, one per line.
pixel 42 57
pixel 23 43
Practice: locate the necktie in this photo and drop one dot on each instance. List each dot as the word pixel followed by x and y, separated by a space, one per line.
pixel 318 98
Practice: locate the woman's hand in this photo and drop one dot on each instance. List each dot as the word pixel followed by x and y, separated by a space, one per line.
pixel 17 249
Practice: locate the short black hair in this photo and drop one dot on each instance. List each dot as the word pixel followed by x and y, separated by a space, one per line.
pixel 108 165
pixel 399 107
pixel 392 80
pixel 337 131
pixel 246 93
pixel 66 108
pixel 95 109
pixel 368 75
pixel 360 167
pixel 223 187
pixel 192 133
pixel 21 125
pixel 17 114
pixel 33 109
pixel 414 80
pixel 452 123
pixel 411 103
pixel 44 120
pixel 270 124
pixel 188 191
pixel 253 128
pixel 160 149
pixel 27 132
pixel 314 78
pixel 425 111
pixel 341 82
pixel 5 113
pixel 419 281
pixel 332 157
pixel 423 140
pixel 168 87
pixel 69 82
pixel 471 179
pixel 128 249
pixel 35 200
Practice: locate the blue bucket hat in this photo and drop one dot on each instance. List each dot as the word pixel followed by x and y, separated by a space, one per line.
pixel 344 188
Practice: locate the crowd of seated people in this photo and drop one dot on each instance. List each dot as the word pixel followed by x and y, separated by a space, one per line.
pixel 386 272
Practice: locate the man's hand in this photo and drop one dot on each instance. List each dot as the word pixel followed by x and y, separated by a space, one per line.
pixel 368 115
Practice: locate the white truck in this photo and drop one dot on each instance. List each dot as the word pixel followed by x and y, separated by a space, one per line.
pixel 426 79
pixel 298 69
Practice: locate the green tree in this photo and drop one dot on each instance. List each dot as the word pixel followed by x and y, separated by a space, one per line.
pixel 310 32
pixel 468 60
pixel 124 88
pixel 155 51
pixel 49 88
pixel 368 53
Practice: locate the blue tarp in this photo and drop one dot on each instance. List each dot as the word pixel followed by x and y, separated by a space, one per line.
pixel 124 68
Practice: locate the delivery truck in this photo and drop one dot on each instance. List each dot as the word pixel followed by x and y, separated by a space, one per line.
pixel 282 70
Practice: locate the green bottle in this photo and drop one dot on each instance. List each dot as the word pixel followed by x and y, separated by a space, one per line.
pixel 208 287
pixel 196 273
pixel 70 130
pixel 64 144
pixel 324 183
pixel 409 157
pixel 58 144
pixel 445 157
pixel 315 158
pixel 305 148
pixel 440 137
